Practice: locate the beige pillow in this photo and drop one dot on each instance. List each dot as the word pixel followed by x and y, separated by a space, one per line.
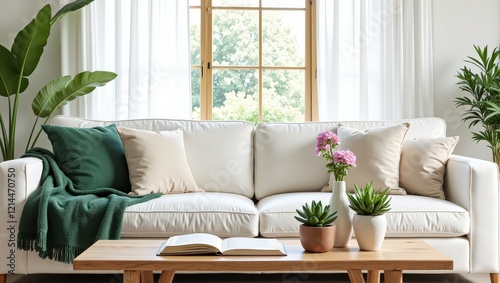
pixel 422 165
pixel 378 153
pixel 157 162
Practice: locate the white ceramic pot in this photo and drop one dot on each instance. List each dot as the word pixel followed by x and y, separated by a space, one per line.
pixel 370 231
pixel 340 203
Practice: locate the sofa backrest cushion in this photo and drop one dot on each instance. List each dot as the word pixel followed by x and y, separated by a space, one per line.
pixel 285 157
pixel 219 153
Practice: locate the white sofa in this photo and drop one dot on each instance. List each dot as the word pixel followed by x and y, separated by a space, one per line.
pixel 256 176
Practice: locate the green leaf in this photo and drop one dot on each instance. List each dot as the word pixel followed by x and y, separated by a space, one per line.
pixel 301 213
pixel 30 41
pixel 70 7
pixel 42 106
pixel 301 220
pixel 80 85
pixel 9 76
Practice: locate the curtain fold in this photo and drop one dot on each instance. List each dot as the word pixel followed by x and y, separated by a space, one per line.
pixel 146 42
pixel 374 59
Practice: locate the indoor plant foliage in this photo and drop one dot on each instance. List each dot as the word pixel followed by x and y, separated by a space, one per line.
pixel 316 215
pixel 339 161
pixel 18 64
pixel 369 223
pixel 317 232
pixel 483 103
pixel 367 201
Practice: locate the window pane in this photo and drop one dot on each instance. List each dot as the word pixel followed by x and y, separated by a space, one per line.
pixel 235 38
pixel 235 95
pixel 283 38
pixel 195 35
pixel 283 96
pixel 195 93
pixel 284 3
pixel 235 3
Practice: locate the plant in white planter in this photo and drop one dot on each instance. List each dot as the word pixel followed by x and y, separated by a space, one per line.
pixel 369 223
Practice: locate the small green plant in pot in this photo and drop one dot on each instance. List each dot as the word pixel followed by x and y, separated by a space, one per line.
pixel 369 223
pixel 317 232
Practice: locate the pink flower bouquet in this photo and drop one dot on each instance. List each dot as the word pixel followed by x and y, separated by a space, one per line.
pixel 339 161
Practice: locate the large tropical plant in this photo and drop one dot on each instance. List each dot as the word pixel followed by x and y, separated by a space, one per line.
pixel 18 63
pixel 483 103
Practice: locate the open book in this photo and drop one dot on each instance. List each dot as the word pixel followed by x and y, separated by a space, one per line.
pixel 201 243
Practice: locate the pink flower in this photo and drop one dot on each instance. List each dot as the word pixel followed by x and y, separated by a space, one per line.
pixel 338 161
pixel 346 157
pixel 325 142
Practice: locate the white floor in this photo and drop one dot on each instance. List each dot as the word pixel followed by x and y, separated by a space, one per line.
pixel 242 278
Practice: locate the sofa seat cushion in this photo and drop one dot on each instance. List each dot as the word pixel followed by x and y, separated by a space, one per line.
pixel 221 214
pixel 410 216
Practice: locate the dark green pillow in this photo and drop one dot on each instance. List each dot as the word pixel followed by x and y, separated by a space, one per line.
pixel 91 157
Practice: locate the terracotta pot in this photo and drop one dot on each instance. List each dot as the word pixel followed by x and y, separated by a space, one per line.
pixel 317 239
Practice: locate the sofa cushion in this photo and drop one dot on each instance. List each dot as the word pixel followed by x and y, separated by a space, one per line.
pixel 285 157
pixel 157 162
pixel 423 163
pixel 221 214
pixel 410 216
pixel 92 158
pixel 226 148
pixel 378 152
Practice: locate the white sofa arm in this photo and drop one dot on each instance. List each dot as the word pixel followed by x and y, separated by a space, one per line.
pixel 18 179
pixel 473 184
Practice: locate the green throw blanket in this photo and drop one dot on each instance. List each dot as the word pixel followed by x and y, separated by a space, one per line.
pixel 60 222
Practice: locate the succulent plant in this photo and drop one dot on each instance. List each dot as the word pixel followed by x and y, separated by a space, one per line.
pixel 367 201
pixel 316 215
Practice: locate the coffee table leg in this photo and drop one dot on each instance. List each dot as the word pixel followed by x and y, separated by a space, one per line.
pixel 393 276
pixel 373 276
pixel 356 276
pixel 131 276
pixel 147 277
pixel 167 276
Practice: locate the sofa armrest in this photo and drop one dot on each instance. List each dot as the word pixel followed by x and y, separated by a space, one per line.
pixel 473 184
pixel 18 179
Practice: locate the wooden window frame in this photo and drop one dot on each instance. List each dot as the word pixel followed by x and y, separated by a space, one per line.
pixel 206 95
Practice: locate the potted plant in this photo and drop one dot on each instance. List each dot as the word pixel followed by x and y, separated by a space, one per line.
pixel 19 62
pixel 369 223
pixel 483 103
pixel 338 164
pixel 317 232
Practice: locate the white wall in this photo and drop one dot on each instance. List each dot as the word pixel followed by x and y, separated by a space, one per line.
pixel 14 15
pixel 458 24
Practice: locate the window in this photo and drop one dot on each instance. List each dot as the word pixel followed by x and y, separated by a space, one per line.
pixel 252 60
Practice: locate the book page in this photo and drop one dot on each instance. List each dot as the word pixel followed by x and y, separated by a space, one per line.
pixel 192 244
pixel 252 246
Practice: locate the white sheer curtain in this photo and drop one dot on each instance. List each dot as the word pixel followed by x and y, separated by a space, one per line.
pixel 374 59
pixel 146 42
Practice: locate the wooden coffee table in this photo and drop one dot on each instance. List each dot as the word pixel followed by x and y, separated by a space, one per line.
pixel 138 260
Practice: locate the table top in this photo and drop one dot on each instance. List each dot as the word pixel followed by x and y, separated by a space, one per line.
pixel 140 254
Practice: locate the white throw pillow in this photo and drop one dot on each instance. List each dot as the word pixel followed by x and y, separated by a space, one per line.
pixel 378 153
pixel 157 162
pixel 423 163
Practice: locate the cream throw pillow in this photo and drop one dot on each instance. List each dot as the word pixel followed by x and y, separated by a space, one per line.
pixel 423 163
pixel 157 162
pixel 378 153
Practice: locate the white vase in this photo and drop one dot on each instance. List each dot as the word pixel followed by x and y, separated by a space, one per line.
pixel 340 203
pixel 370 231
